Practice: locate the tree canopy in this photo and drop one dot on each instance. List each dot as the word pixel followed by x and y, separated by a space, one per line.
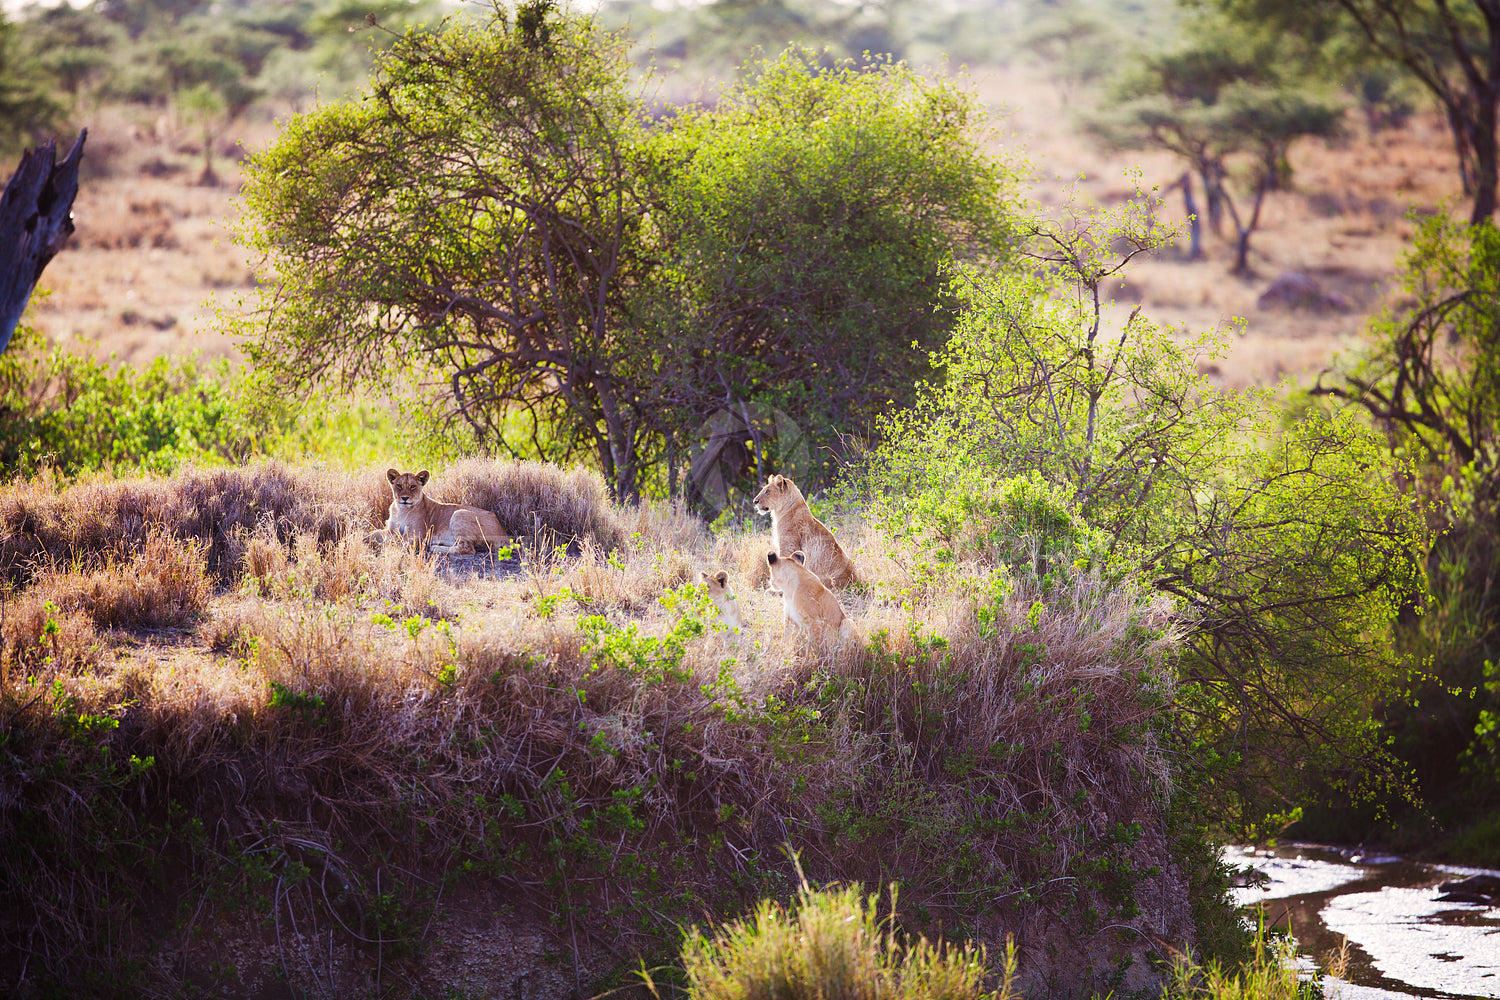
pixel 498 212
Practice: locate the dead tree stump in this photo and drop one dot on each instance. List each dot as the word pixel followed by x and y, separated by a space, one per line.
pixel 36 219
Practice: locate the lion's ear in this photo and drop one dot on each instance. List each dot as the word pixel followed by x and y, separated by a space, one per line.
pixel 392 475
pixel 801 557
pixel 705 576
pixel 771 558
pixel 722 577
pixel 423 476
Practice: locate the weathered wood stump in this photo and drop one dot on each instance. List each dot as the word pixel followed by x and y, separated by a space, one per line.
pixel 36 219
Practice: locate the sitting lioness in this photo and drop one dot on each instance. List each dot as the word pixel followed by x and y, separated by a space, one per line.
pixel 449 528
pixel 793 527
pixel 808 603
pixel 727 603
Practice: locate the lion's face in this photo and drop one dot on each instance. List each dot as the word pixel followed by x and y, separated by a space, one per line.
pixel 717 584
pixel 777 494
pixel 406 487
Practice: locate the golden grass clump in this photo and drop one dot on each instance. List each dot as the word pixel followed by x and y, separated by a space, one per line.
pixel 35 635
pixel 833 945
pixel 163 585
pixel 568 505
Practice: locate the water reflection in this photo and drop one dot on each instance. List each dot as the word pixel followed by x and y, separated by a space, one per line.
pixel 1402 941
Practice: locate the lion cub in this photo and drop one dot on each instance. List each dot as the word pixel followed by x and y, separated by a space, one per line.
pixel 794 527
pixel 727 603
pixel 449 528
pixel 808 603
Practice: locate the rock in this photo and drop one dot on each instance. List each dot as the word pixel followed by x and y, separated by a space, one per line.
pixel 1474 889
pixel 1294 290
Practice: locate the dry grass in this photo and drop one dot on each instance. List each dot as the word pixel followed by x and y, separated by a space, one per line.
pixel 237 512
pixel 388 714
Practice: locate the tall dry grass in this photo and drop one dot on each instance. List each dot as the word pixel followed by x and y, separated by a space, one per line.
pixel 832 944
pixel 346 710
pixel 44 521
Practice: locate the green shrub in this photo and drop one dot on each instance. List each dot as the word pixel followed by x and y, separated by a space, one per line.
pixel 73 412
pixel 1286 551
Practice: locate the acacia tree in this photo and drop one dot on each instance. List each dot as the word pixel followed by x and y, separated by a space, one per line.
pixel 475 212
pixel 1218 103
pixel 1450 47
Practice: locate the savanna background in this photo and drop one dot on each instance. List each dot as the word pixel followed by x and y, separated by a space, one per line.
pixel 1141 355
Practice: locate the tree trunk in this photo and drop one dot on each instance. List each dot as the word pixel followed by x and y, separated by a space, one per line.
pixel 1461 150
pixel 1482 143
pixel 36 219
pixel 1212 176
pixel 1246 229
pixel 1195 225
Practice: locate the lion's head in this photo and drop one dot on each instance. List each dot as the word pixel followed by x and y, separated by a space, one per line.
pixel 779 494
pixel 406 487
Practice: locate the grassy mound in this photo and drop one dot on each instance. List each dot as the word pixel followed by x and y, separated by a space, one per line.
pixel 315 764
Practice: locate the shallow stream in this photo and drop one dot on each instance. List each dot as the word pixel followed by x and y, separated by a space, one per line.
pixel 1402 941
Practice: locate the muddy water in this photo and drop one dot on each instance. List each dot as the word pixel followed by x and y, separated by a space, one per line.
pixel 1402 941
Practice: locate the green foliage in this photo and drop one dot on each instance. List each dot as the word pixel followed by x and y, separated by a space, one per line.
pixel 833 945
pixel 497 212
pixel 1431 379
pixel 73 412
pixel 807 219
pixel 28 108
pixel 1288 552
pixel 648 658
pixel 308 707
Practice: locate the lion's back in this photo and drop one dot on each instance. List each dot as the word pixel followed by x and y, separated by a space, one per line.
pixel 825 556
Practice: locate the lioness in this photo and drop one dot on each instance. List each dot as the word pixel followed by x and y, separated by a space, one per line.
pixel 727 603
pixel 449 528
pixel 808 603
pixel 793 527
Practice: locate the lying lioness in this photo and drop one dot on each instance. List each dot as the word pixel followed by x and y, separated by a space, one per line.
pixel 808 603
pixel 449 528
pixel 794 527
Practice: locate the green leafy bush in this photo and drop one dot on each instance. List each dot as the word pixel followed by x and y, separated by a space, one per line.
pixel 1287 551
pixel 74 412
